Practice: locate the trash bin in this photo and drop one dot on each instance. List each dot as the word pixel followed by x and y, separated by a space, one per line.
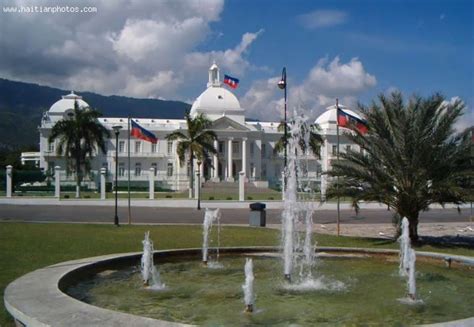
pixel 257 214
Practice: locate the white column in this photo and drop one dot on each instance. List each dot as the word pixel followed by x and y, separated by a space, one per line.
pixel 103 171
pixel 215 163
pixel 9 181
pixel 244 156
pixel 151 183
pixel 230 173
pixel 57 182
pixel 242 186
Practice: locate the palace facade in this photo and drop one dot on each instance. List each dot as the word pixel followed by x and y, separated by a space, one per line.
pixel 242 145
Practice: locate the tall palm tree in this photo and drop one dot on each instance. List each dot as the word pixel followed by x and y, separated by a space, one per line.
pixel 411 157
pixel 314 143
pixel 79 135
pixel 197 143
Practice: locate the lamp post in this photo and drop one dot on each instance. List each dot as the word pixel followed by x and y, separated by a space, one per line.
pixel 283 86
pixel 198 174
pixel 116 129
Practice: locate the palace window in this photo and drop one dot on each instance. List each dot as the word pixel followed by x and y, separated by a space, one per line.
pixel 138 169
pixel 121 147
pixel 153 147
pixel 51 147
pixel 334 150
pixel 221 147
pixel 264 170
pixel 348 148
pixel 154 165
pixel 138 146
pixel 252 148
pixel 121 169
pixel 170 148
pixel 264 150
pixel 169 169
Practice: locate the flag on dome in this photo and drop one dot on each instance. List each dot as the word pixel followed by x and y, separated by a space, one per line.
pixel 141 133
pixel 345 119
pixel 231 81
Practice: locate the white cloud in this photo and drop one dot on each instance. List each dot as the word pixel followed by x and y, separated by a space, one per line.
pixel 325 82
pixel 129 47
pixel 323 18
pixel 231 60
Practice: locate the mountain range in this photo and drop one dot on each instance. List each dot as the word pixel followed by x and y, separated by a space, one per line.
pixel 23 104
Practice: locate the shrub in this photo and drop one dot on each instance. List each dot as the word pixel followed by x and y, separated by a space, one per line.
pixel 229 198
pixel 249 198
pixel 87 196
pixel 271 198
pixel 168 196
pixel 66 196
pixel 211 198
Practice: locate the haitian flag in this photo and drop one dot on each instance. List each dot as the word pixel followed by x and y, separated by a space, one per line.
pixel 347 120
pixel 141 133
pixel 231 81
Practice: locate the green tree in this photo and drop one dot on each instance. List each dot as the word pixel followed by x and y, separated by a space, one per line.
pixel 79 137
pixel 196 143
pixel 411 157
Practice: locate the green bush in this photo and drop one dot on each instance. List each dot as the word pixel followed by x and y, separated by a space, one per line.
pixel 229 198
pixel 249 198
pixel 66 196
pixel 271 198
pixel 211 198
pixel 168 196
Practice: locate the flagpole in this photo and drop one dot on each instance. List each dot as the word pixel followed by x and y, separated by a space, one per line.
pixel 128 186
pixel 337 178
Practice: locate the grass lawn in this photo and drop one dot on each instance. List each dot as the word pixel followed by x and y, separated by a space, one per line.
pixel 25 247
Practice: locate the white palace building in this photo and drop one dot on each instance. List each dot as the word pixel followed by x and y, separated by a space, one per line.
pixel 242 145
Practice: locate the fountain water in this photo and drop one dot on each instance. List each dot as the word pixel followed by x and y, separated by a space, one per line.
pixel 407 264
pixel 249 297
pixel 405 246
pixel 297 214
pixel 150 275
pixel 210 217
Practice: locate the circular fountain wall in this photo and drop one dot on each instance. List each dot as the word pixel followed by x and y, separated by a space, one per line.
pixel 40 298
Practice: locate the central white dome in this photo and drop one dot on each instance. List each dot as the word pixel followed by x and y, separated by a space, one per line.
pixel 216 98
pixel 216 101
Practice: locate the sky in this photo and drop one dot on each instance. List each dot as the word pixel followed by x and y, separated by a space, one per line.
pixel 351 50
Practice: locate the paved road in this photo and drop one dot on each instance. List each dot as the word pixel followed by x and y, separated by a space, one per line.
pixel 37 213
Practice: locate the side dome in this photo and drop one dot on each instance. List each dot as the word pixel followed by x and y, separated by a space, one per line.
pixel 60 107
pixel 329 117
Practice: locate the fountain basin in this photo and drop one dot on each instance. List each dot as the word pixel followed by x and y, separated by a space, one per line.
pixel 39 298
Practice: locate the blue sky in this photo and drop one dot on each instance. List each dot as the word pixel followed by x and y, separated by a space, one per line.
pixel 353 50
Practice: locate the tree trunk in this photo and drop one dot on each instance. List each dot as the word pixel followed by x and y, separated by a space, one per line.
pixel 413 227
pixel 191 175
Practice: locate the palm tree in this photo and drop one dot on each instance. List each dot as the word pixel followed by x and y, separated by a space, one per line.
pixel 197 143
pixel 79 135
pixel 411 157
pixel 315 139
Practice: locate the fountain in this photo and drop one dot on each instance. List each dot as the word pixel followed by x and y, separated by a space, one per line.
pixel 249 297
pixel 297 214
pixel 405 246
pixel 210 217
pixel 407 264
pixel 150 275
